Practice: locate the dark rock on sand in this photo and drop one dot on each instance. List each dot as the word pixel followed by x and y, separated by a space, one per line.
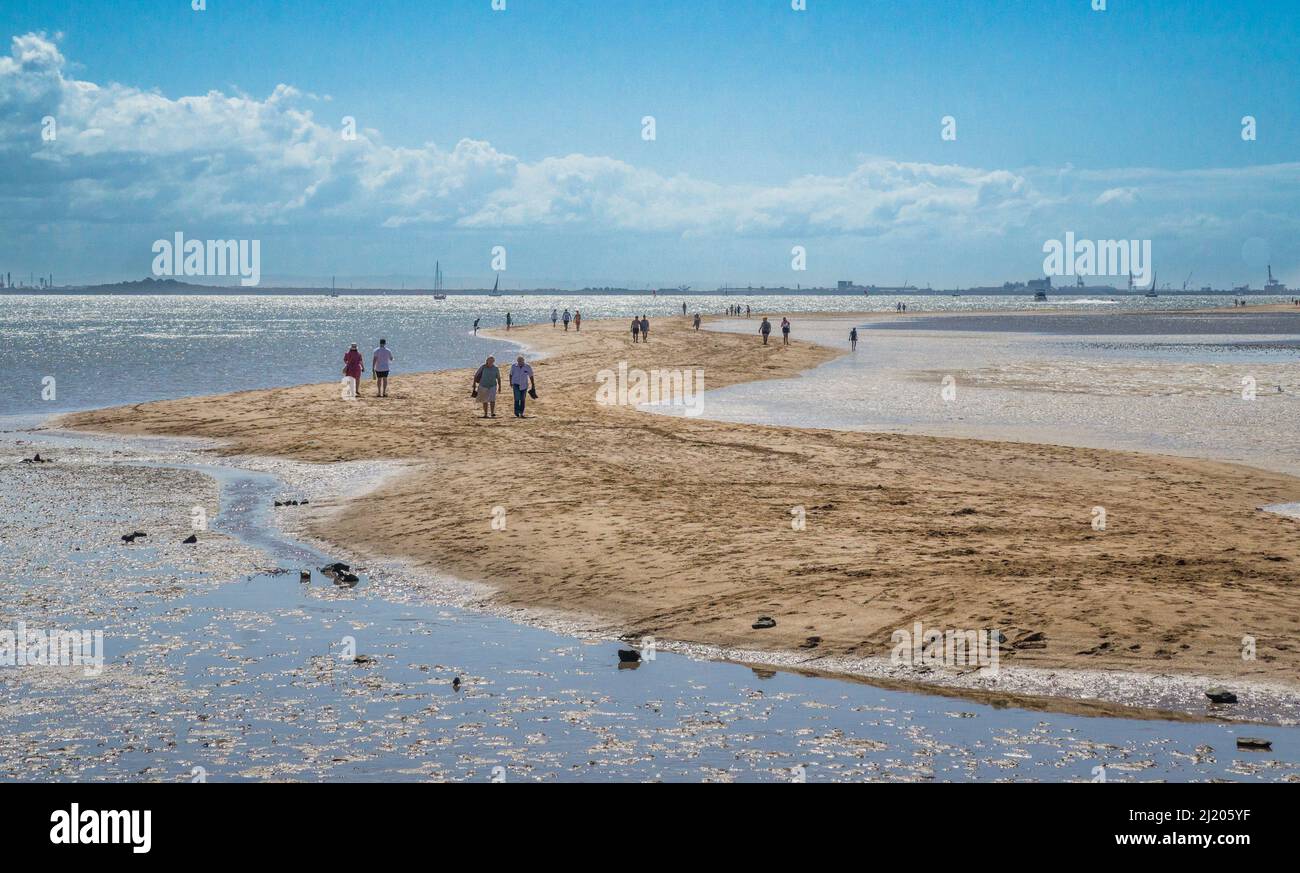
pixel 304 575
pixel 131 537
pixel 1254 744
pixel 629 655
pixel 455 684
pixel 811 643
pixel 764 622
pixel 190 540
pixel 1221 695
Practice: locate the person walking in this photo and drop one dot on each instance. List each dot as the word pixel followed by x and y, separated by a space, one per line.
pixel 636 330
pixel 522 384
pixel 697 321
pixel 555 316
pixel 567 318
pixel 486 381
pixel 509 321
pixel 645 329
pixel 577 320
pixel 476 321
pixel 785 331
pixel 683 307
pixel 381 361
pixel 853 339
pixel 353 368
pixel 747 312
pixel 765 328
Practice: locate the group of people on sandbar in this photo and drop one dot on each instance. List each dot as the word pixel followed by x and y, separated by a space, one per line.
pixel 765 328
pixel 487 379
pixel 381 362
pixel 576 318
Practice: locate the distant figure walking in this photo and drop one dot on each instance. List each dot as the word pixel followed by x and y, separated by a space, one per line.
pixel 380 362
pixel 577 320
pixel 353 368
pixel 765 328
pixel 486 381
pixel 555 316
pixel 509 321
pixel 476 321
pixel 645 329
pixel 683 307
pixel 522 383
pixel 747 312
pixel 785 331
pixel 697 321
pixel 636 329
pixel 567 318
pixel 853 339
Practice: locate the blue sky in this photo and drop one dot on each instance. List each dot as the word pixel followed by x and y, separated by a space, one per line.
pixel 774 128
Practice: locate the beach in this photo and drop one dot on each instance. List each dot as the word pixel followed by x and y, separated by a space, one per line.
pixel 684 529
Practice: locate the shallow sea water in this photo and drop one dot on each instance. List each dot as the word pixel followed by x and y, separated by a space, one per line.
pixel 1096 381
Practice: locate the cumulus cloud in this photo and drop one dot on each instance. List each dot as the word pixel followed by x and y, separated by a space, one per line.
pixel 123 154
pixel 1116 195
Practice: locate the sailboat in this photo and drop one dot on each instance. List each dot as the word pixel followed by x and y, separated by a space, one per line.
pixel 496 292
pixel 437 281
pixel 1152 292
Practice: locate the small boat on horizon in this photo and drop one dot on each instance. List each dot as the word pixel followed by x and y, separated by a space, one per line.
pixel 496 287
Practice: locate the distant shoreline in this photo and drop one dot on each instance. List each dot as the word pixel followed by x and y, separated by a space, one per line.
pixel 165 289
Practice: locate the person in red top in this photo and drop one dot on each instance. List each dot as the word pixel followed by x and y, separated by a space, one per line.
pixel 353 367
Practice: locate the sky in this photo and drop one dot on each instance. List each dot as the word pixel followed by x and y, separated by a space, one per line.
pixel 773 128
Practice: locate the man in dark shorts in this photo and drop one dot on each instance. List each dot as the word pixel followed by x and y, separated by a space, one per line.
pixel 380 362
pixel 765 328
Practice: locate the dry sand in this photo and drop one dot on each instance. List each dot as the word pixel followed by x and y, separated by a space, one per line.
pixel 681 528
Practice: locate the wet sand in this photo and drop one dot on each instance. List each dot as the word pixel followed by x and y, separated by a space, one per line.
pixel 681 528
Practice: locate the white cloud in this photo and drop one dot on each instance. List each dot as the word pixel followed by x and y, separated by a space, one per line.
pixel 1116 195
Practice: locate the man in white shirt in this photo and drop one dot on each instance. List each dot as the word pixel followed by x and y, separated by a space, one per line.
pixel 380 361
pixel 521 381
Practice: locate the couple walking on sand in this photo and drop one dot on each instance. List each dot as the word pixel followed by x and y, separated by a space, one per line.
pixel 576 318
pixel 488 379
pixel 766 328
pixel 640 328
pixel 381 361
